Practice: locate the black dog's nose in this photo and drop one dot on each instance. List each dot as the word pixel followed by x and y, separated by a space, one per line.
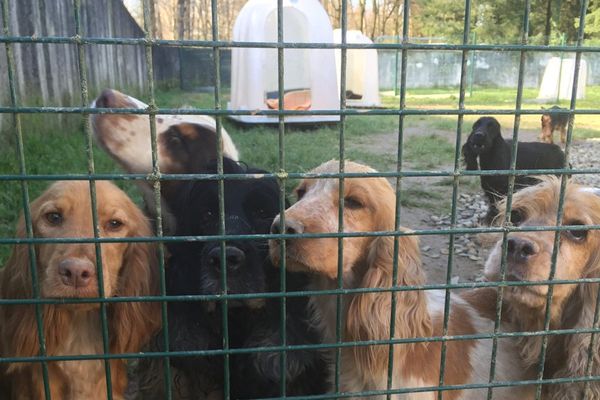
pixel 234 257
pixel 519 250
pixel 291 226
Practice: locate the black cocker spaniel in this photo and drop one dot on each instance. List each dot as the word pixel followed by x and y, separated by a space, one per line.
pixel 194 267
pixel 485 149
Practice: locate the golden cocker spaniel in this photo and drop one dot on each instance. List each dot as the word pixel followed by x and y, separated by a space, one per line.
pixel 368 263
pixel 68 271
pixel 573 305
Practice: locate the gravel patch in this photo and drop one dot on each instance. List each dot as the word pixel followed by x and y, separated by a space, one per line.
pixel 470 208
pixel 585 154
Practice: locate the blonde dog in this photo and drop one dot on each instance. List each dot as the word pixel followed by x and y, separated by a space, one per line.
pixel 368 263
pixel 68 270
pixel 573 305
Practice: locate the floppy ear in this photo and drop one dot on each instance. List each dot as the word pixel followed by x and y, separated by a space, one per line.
pixel 15 282
pixel 581 307
pixel 469 157
pixel 369 313
pixel 18 332
pixel 16 278
pixel 132 324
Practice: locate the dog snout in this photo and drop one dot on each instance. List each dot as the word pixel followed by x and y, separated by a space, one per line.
pixel 520 250
pixel 477 138
pixel 234 257
pixel 107 99
pixel 290 227
pixel 76 272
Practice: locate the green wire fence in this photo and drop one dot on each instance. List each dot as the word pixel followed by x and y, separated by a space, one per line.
pixel 403 46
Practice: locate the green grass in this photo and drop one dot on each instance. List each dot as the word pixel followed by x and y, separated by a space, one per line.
pixel 49 150
pixel 55 144
pixel 428 152
pixel 53 152
pixel 586 126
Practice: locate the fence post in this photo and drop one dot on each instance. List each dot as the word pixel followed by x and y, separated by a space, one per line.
pixel 396 91
pixel 562 56
pixel 472 66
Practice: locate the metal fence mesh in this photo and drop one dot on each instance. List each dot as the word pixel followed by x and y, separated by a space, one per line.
pixel 16 109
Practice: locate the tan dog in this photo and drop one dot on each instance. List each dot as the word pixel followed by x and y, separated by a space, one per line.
pixel 68 270
pixel 552 122
pixel 368 263
pixel 573 305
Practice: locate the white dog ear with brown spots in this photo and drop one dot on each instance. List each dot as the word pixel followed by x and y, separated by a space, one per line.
pixel 593 190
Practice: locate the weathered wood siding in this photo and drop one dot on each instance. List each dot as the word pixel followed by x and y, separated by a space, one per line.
pixel 49 74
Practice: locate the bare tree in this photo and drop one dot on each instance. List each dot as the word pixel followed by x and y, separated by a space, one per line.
pixel 180 19
pixel 390 11
pixel 548 22
pixel 375 13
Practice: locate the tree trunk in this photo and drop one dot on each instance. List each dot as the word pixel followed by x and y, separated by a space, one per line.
pixel 548 27
pixel 180 19
pixel 375 15
pixel 362 5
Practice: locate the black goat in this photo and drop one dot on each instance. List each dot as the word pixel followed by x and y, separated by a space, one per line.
pixel 486 143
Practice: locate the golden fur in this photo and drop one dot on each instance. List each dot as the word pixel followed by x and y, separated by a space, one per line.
pixel 573 305
pixel 128 269
pixel 368 263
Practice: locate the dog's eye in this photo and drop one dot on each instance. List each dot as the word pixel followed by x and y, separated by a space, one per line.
pixel 175 140
pixel 352 203
pixel 114 224
pixel 577 235
pixel 300 192
pixel 54 218
pixel 207 216
pixel 260 213
pixel 517 217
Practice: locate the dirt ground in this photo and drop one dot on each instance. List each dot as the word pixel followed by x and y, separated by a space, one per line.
pixel 435 247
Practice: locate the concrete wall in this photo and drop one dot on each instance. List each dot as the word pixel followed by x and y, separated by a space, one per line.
pixel 427 69
pixel 48 74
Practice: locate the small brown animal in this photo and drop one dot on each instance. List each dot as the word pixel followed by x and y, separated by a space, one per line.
pixel 68 271
pixel 552 121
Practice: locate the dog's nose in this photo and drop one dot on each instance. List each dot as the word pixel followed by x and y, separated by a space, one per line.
pixel 291 226
pixel 234 257
pixel 76 272
pixel 519 250
pixel 106 99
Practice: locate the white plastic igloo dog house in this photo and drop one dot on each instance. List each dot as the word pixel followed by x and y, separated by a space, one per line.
pixel 309 74
pixel 558 79
pixel 362 73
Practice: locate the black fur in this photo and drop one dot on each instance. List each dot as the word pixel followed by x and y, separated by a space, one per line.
pixel 485 149
pixel 250 207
